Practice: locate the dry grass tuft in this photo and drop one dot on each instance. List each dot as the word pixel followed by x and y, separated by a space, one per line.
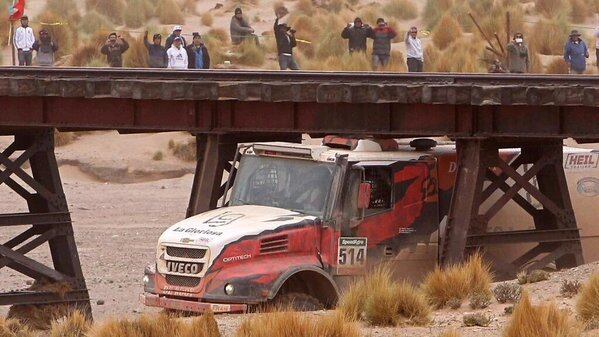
pixel 14 328
pixel 184 151
pixel 219 34
pixel 293 324
pixel 401 9
pixel 135 15
pixel 570 289
pixel 580 10
pixel 330 44
pixel 545 37
pixel 158 156
pixel 137 55
pixel 447 31
pixel 207 19
pixel 480 275
pixel 157 326
pixel 203 326
pixel 64 138
pixel 450 333
pixel 188 6
pixel 551 8
pixel 64 8
pixel 305 7
pixel 557 66
pixel 477 319
pixel 251 54
pixel 74 325
pixel 587 305
pixel 85 55
pixel 541 320
pixel 112 9
pixel 352 303
pixel 168 12
pixel 93 22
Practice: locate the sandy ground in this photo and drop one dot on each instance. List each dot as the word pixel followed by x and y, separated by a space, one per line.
pixel 117 227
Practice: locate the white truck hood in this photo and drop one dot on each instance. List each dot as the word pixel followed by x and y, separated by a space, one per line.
pixel 217 228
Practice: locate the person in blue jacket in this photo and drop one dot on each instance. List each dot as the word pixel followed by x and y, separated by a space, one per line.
pixel 576 53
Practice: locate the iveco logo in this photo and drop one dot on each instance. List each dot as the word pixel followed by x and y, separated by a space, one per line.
pixel 183 268
pixel 237 258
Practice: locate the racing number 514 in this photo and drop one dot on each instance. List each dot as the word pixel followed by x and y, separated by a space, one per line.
pixel 350 254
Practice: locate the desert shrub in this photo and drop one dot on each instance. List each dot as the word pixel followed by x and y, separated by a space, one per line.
pixel 215 48
pixel 330 44
pixel 542 320
pixel 507 292
pixel 535 64
pixel 570 289
pixel 84 55
pixel 137 55
pixel 184 151
pixel 203 326
pixel 135 15
pixel 251 54
pixel 447 31
pixel 207 19
pixel 14 328
pixel 547 38
pixel 61 34
pixel 454 303
pixel 479 274
pixel 587 305
pixel 522 277
pixel 74 325
pixel 293 324
pixel 551 8
pixel 401 9
pixel 480 300
pixel 93 22
pixel 158 156
pixel 353 300
pixel 64 138
pixel 157 326
pixel 476 319
pixel 431 56
pixel 537 275
pixel 168 12
pixel 219 34
pixel 112 9
pixel 305 7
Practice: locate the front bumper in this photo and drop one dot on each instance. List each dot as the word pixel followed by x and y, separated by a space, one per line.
pixel 153 300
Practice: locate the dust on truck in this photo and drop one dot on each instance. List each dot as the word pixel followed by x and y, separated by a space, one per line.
pixel 302 221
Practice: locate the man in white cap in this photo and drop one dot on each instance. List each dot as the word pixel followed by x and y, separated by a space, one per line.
pixel 176 33
pixel 177 55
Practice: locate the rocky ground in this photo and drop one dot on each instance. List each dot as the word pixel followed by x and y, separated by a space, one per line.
pixel 117 227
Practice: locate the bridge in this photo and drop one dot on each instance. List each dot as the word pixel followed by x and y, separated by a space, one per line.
pixel 482 113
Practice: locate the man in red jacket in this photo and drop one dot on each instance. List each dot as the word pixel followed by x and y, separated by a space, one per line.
pixel 381 35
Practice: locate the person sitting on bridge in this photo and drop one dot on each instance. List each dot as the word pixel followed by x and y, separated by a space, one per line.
pixel 576 53
pixel 156 52
pixel 356 34
pixel 285 37
pixel 114 48
pixel 45 48
pixel 382 36
pixel 517 50
pixel 177 55
pixel 23 41
pixel 197 53
pixel 176 33
pixel 240 29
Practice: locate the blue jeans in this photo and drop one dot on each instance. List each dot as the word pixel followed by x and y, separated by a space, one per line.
pixel 379 61
pixel 287 62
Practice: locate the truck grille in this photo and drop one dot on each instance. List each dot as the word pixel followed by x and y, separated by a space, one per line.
pixel 183 281
pixel 276 244
pixel 188 253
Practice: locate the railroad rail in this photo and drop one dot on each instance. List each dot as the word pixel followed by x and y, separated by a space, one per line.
pixel 482 112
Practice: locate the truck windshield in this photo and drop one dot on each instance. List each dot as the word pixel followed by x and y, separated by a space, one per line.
pixel 299 185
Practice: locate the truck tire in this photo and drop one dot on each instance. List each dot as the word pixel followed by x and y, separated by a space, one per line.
pixel 298 302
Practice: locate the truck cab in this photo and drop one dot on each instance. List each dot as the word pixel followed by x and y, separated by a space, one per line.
pixel 302 221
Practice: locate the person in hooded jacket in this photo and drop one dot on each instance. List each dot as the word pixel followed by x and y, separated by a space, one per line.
pixel 576 53
pixel 45 49
pixel 356 34
pixel 285 37
pixel 197 53
pixel 381 35
pixel 157 57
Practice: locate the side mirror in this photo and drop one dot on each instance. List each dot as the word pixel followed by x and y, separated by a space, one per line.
pixel 364 195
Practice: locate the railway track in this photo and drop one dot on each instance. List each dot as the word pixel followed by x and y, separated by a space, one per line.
pixel 524 80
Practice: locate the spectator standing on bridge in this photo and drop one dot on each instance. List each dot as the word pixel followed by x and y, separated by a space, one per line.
pixel 177 55
pixel 414 51
pixel 285 37
pixel 114 49
pixel 356 34
pixel 45 49
pixel 240 29
pixel 156 52
pixel 23 41
pixel 517 52
pixel 176 33
pixel 382 36
pixel 197 53
pixel 576 53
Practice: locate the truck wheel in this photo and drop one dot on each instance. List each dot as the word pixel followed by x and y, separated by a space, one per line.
pixel 298 302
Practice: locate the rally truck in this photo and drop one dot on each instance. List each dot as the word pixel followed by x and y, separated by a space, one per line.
pixel 302 221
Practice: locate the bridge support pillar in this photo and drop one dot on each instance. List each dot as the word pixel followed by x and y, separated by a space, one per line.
pixel 49 222
pixel 538 171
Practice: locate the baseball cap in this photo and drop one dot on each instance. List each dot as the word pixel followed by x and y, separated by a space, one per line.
pixel 176 28
pixel 178 38
pixel 238 10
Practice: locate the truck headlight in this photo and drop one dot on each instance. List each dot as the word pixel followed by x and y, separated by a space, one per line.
pixel 229 289
pixel 148 279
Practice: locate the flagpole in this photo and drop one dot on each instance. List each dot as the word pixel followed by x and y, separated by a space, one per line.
pixel 11 41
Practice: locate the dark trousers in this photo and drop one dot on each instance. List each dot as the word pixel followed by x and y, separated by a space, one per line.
pixel 597 54
pixel 287 62
pixel 415 65
pixel 25 57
